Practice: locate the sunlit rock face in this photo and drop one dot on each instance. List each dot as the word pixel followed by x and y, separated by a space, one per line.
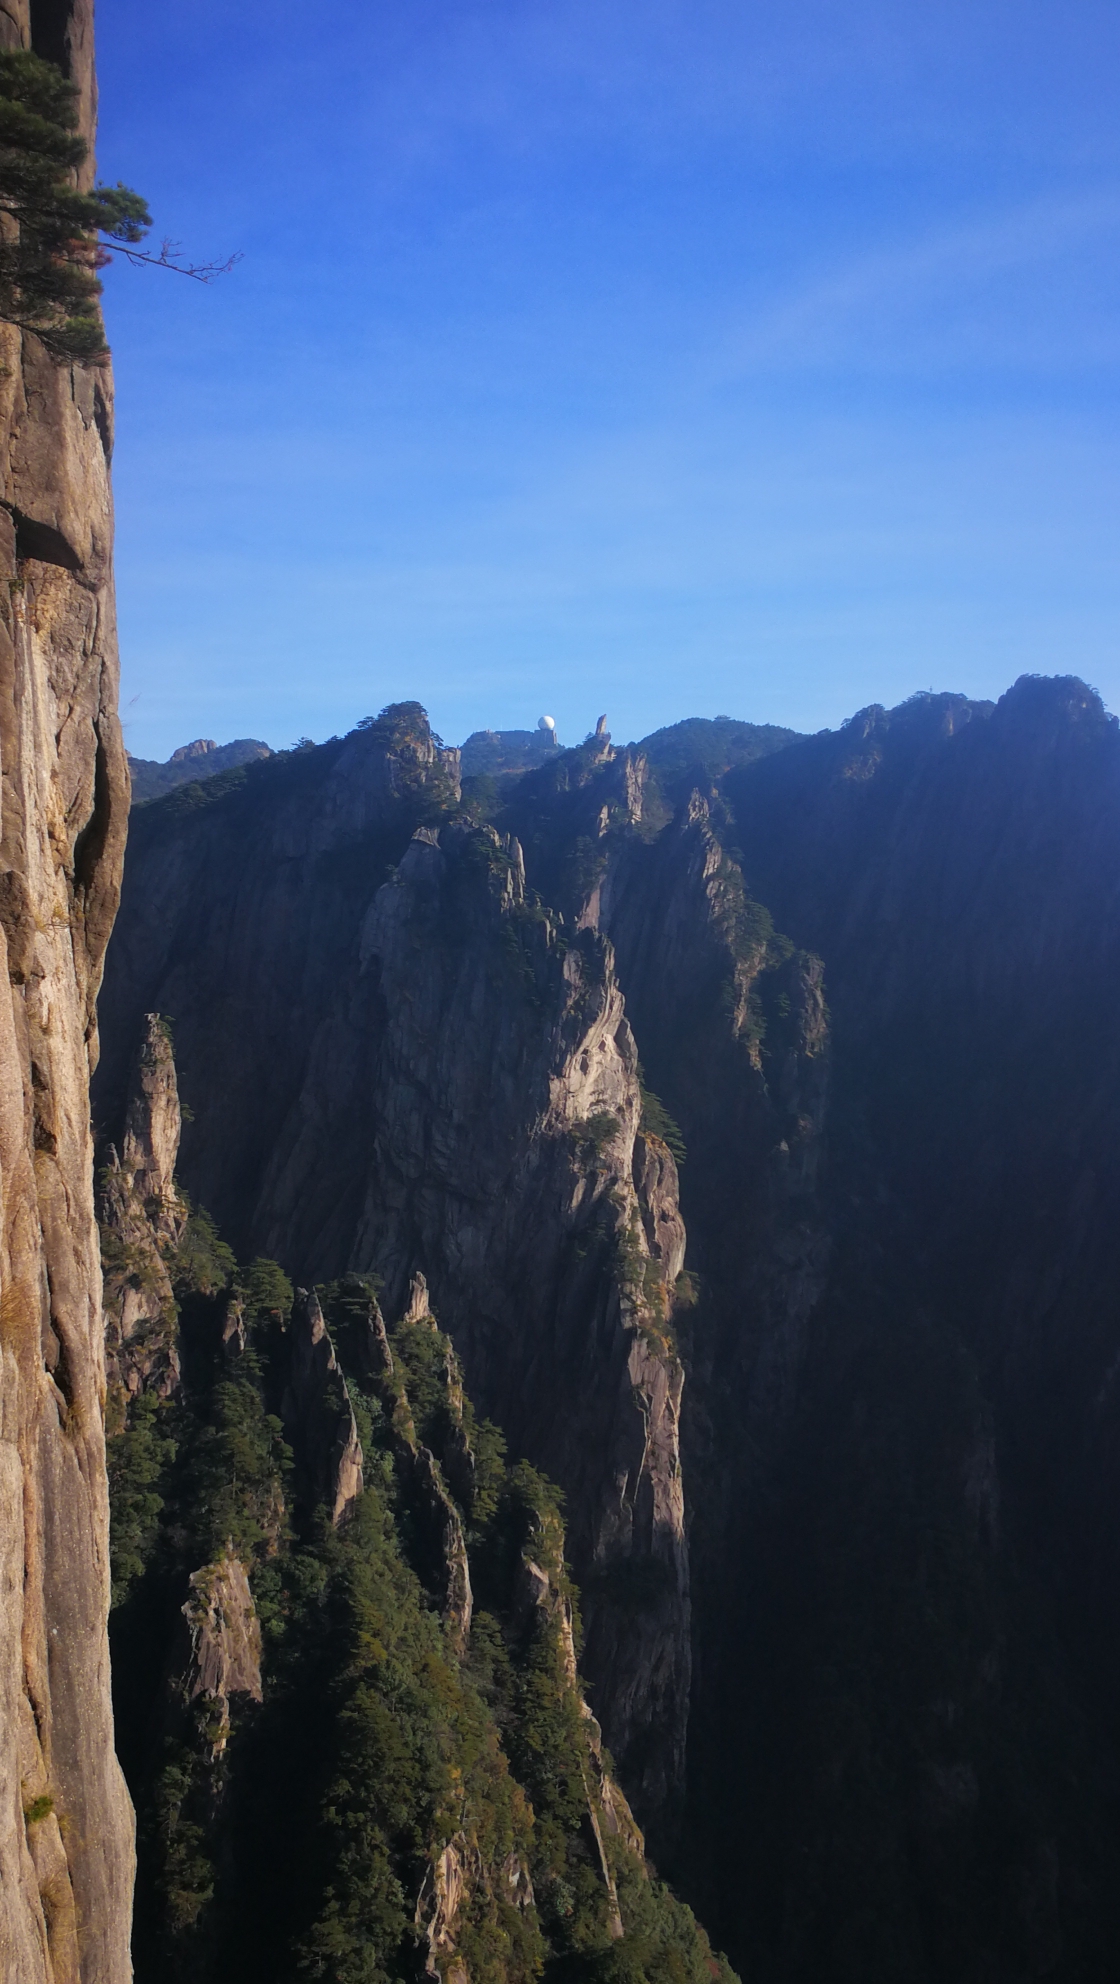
pixel 66 1831
pixel 397 1062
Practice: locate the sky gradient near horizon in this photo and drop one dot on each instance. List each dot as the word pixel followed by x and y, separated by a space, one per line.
pixel 664 359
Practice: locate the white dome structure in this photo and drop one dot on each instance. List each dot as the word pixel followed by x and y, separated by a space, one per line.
pixel 546 723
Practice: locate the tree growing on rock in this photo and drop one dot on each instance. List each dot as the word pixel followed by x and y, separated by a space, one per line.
pixel 54 237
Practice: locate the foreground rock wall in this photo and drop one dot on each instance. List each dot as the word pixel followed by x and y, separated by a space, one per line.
pixel 65 1819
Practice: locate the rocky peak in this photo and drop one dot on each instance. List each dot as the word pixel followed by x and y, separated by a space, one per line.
pixel 142 1221
pixel 204 759
pixel 417 1309
pixel 427 1478
pixel 153 1125
pixel 317 1412
pixel 567 817
pixel 225 1644
pixel 388 765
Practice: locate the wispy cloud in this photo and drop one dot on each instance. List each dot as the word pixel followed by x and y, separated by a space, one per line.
pixel 980 289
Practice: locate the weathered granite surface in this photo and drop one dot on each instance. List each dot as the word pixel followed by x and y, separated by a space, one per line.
pixel 142 1219
pixel 65 1820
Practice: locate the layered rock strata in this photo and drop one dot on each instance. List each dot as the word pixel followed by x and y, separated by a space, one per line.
pixel 65 1822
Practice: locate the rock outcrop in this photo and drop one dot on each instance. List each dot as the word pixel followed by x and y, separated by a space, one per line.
pixel 317 1412
pixel 65 1820
pixel 142 1221
pixel 541 1590
pixel 225 1645
pixel 424 1479
pixel 540 1612
pixel 334 1754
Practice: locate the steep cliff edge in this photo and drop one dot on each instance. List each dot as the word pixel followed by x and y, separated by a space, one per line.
pixel 65 1825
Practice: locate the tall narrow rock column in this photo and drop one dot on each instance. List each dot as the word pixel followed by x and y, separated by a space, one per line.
pixel 65 1820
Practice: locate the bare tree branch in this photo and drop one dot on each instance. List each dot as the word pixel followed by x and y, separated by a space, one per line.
pixel 171 257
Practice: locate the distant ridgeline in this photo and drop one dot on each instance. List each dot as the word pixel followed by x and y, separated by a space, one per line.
pixel 345 1640
pixel 698 747
pixel 202 759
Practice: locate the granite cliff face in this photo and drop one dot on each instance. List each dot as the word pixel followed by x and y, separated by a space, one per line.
pixel 142 1221
pixel 65 1829
pixel 449 1085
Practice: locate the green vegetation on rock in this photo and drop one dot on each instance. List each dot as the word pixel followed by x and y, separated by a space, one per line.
pixel 399 1794
pixel 50 251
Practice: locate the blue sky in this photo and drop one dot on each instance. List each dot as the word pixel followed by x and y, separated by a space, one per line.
pixel 662 359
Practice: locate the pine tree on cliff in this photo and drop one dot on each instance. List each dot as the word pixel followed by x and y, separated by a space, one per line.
pixel 53 238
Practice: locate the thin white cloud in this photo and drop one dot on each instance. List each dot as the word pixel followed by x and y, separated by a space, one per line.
pixel 953 294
